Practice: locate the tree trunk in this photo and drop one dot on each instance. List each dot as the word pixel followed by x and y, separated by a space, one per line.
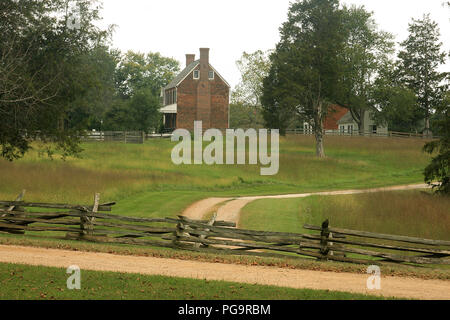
pixel 362 122
pixel 318 131
pixel 427 132
pixel 320 152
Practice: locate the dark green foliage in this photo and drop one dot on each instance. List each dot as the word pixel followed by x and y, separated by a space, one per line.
pixel 144 110
pixel 399 107
pixel 418 68
pixel 43 71
pixel 137 71
pixel 366 52
pixel 245 116
pixel 438 169
pixel 57 80
pixel 139 113
pixel 305 70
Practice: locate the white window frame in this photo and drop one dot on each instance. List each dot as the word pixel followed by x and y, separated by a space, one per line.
pixel 213 74
pixel 198 73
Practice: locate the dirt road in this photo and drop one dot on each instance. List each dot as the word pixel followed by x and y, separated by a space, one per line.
pixel 293 278
pixel 231 208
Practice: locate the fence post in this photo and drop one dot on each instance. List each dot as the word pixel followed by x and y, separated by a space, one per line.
pixel 19 198
pixel 13 211
pixel 87 223
pixel 210 223
pixel 176 234
pixel 324 235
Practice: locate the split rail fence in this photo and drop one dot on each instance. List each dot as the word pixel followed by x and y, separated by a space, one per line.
pixel 95 223
pixel 356 133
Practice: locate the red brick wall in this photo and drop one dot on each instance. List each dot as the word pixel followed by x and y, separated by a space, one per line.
pixel 187 103
pixel 219 103
pixel 205 100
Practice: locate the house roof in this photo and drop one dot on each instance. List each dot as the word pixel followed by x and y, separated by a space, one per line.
pixel 180 77
pixel 346 119
pixel 335 113
pixel 186 71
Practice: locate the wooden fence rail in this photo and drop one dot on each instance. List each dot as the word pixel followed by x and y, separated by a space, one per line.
pixel 136 137
pixel 356 133
pixel 92 223
pixel 139 137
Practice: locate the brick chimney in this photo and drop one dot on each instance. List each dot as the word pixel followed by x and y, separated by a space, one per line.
pixel 204 60
pixel 189 59
pixel 203 90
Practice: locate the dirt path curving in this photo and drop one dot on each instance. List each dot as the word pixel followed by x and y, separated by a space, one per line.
pixel 230 211
pixel 292 278
pixel 200 208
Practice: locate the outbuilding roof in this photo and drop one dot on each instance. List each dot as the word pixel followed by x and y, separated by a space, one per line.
pixel 346 119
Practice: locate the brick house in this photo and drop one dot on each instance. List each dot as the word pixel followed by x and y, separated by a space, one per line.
pixel 197 93
pixel 331 121
pixel 340 120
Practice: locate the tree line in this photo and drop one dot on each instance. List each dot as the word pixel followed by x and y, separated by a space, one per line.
pixel 334 54
pixel 364 72
pixel 59 76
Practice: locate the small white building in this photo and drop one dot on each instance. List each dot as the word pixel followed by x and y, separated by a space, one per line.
pixel 347 125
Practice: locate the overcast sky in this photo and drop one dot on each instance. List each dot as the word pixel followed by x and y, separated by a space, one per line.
pixel 229 27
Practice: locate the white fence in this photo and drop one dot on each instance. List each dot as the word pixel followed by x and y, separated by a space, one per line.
pixel 392 134
pixel 138 137
pixel 134 137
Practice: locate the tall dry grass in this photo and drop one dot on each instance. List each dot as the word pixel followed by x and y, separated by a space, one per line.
pixel 118 170
pixel 412 213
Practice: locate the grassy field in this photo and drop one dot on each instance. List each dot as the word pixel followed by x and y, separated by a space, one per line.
pixel 409 213
pixel 44 283
pixel 144 182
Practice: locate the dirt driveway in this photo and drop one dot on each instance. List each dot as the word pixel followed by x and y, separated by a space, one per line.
pixel 293 278
pixel 231 207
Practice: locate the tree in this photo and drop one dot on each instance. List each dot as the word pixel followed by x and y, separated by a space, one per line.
pixel 118 117
pixel 144 110
pixel 137 71
pixel 419 62
pixel 40 71
pixel 245 106
pixel 398 108
pixel 254 67
pixel 139 113
pixel 438 169
pixel 366 52
pixel 305 68
pixel 139 78
pixel 87 110
pixel 245 117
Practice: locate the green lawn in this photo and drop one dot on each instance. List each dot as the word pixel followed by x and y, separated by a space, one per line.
pixel 144 182
pixel 38 283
